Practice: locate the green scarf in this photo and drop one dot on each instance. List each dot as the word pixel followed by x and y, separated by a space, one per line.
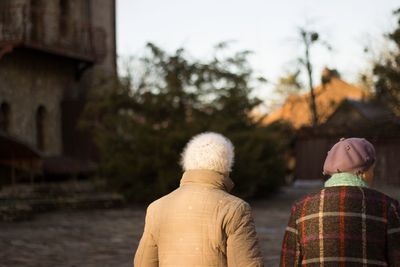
pixel 345 179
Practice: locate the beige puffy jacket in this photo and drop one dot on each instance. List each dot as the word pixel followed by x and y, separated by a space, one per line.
pixel 199 224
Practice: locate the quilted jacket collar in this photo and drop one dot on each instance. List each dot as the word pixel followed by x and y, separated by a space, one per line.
pixel 207 177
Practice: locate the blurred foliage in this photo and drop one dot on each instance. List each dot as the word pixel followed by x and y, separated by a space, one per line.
pixel 142 121
pixel 288 85
pixel 387 72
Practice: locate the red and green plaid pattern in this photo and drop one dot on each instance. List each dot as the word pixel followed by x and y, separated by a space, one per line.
pixel 343 226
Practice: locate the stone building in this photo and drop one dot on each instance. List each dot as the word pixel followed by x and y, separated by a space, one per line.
pixel 51 53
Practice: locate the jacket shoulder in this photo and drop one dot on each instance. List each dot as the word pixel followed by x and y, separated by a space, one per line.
pixel 335 191
pixel 158 203
pixel 381 194
pixel 307 197
pixel 232 202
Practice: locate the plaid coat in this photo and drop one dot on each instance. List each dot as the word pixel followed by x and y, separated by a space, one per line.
pixel 343 226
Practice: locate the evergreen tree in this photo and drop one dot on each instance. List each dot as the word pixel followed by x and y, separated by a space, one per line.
pixel 142 123
pixel 387 72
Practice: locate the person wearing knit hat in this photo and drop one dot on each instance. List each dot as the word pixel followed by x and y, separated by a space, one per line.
pixel 200 223
pixel 346 222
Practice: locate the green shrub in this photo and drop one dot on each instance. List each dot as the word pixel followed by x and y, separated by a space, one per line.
pixel 142 124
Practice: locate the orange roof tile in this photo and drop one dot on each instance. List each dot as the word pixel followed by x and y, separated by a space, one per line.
pixel 296 109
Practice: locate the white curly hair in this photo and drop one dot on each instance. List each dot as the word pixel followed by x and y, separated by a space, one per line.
pixel 209 151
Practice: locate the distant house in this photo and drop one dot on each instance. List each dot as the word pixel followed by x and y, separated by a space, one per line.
pixel 332 91
pixel 351 119
pixel 51 54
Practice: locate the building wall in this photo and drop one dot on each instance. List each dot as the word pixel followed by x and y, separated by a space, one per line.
pixel 102 16
pixel 78 143
pixel 311 152
pixel 29 80
pixel 387 170
pixel 310 155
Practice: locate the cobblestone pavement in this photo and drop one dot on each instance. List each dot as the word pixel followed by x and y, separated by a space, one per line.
pixel 105 238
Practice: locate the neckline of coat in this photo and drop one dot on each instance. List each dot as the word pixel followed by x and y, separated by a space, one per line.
pixel 207 177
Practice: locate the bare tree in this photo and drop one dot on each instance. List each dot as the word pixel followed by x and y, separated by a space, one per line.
pixel 308 39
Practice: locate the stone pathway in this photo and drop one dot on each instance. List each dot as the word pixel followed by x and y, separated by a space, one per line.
pixel 105 238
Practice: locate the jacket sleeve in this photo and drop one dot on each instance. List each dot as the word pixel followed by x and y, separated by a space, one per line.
pixel 147 252
pixel 242 243
pixel 393 235
pixel 291 253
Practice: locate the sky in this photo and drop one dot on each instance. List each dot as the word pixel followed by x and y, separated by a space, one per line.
pixel 268 28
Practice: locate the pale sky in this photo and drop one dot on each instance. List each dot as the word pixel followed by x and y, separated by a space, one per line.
pixel 268 28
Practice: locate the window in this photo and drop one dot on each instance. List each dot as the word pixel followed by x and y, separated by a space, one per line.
pixel 5 117
pixel 41 127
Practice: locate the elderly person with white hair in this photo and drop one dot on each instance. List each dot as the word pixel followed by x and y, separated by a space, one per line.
pixel 200 223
